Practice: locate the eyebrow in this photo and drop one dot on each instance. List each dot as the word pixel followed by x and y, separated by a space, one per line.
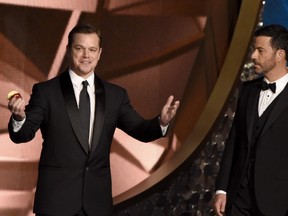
pixel 93 47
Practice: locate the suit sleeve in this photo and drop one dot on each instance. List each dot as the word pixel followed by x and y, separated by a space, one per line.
pixel 226 162
pixel 223 177
pixel 135 125
pixel 35 112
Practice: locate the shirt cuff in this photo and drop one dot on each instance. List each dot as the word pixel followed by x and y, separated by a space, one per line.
pixel 17 125
pixel 220 192
pixel 164 129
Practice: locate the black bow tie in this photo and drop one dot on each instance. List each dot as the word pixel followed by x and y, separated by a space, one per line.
pixel 271 86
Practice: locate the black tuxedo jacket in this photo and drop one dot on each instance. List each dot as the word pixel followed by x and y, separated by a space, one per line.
pixel 70 177
pixel 271 162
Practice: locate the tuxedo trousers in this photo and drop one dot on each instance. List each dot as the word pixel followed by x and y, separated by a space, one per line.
pixel 244 204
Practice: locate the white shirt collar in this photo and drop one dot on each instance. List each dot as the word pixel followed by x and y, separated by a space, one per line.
pixel 77 80
pixel 280 83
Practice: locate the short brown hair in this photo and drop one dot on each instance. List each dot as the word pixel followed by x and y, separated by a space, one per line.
pixel 84 28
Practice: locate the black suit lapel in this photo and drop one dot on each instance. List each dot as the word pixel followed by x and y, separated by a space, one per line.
pixel 99 113
pixel 278 109
pixel 72 108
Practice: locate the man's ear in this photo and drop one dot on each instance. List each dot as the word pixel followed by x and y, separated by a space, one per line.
pixel 280 55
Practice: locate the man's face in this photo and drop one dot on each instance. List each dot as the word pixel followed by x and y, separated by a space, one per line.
pixel 84 54
pixel 263 55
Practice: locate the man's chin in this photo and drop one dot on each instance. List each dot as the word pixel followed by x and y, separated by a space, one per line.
pixel 86 70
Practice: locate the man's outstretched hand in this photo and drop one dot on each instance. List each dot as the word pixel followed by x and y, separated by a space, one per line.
pixel 168 111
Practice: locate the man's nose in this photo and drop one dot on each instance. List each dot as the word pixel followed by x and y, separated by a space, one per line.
pixel 253 55
pixel 86 53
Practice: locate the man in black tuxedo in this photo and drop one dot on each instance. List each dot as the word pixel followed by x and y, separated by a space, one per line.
pixel 253 176
pixel 74 170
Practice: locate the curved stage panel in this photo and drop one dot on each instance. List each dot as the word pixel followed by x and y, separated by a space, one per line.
pixel 228 78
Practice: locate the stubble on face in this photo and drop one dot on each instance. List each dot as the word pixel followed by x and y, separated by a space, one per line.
pixel 263 56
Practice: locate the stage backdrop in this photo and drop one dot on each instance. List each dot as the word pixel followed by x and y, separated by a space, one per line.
pixel 152 48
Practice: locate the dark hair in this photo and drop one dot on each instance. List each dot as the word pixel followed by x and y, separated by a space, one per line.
pixel 84 28
pixel 278 34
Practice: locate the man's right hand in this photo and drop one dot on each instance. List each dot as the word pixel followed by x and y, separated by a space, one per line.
pixel 219 204
pixel 17 107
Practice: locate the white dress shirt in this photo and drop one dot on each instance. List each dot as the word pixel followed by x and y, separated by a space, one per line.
pixel 267 97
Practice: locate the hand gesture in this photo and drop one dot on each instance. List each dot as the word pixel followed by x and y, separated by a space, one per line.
pixel 168 111
pixel 16 105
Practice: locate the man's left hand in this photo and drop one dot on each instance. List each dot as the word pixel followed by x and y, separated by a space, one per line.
pixel 168 111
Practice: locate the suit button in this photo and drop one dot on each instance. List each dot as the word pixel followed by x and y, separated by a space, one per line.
pixel 87 169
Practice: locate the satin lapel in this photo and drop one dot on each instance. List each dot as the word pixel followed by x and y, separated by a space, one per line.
pixel 252 108
pixel 99 113
pixel 278 109
pixel 72 108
